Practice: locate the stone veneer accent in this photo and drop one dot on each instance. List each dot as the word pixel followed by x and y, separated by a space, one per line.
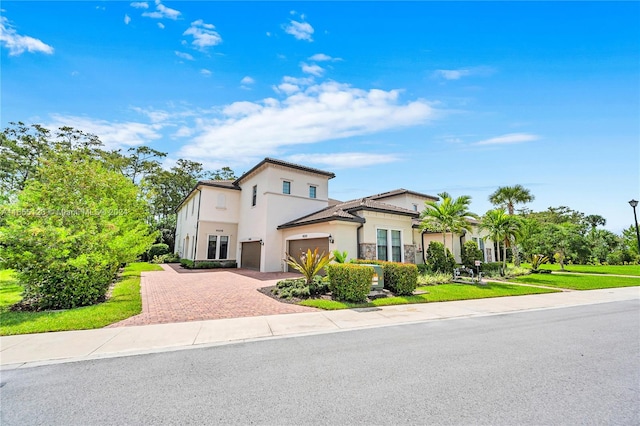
pixel 367 251
pixel 409 253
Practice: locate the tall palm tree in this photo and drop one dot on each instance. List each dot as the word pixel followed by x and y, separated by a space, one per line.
pixel 501 228
pixel 447 215
pixel 507 197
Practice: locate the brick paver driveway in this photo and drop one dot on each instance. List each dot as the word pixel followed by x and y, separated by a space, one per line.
pixel 169 296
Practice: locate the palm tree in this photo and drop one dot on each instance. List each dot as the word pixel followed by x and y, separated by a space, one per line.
pixel 507 197
pixel 501 228
pixel 448 215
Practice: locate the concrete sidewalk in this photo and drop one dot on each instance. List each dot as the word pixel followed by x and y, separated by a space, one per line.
pixel 38 349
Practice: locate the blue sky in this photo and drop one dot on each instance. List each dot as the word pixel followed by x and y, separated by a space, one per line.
pixel 429 96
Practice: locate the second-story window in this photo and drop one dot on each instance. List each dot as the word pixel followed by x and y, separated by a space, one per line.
pixel 254 195
pixel 312 192
pixel 286 187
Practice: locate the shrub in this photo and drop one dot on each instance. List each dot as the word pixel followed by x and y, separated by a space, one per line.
pixel 186 263
pixel 309 264
pixel 471 253
pixel 319 285
pixel 537 260
pixel 436 259
pixel 492 269
pixel 400 278
pixel 291 287
pixel 157 250
pixel 349 282
pixel 340 256
pixel 84 222
pixel 434 278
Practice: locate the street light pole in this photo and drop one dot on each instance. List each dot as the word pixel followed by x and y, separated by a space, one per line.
pixel 634 204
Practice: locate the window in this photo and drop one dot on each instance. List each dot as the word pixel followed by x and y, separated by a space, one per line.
pixel 382 244
pixel 312 192
pixel 396 246
pixel 415 207
pixel 286 187
pixel 254 195
pixel 389 242
pixel 193 206
pixel 218 247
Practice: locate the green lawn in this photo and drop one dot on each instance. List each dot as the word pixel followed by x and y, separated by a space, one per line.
pixel 438 293
pixel 594 269
pixel 577 282
pixel 124 302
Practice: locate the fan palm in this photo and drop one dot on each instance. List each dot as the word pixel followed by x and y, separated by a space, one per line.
pixel 447 215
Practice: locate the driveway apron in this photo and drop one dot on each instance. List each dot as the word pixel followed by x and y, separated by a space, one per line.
pixel 169 296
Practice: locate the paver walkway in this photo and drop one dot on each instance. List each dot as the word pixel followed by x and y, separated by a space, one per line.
pixel 169 297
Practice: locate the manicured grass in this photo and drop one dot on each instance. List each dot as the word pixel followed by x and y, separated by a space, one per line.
pixel 594 269
pixel 438 293
pixel 125 301
pixel 577 282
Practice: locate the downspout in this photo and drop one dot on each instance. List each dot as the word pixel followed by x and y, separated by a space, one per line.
pixel 358 241
pixel 424 250
pixel 195 240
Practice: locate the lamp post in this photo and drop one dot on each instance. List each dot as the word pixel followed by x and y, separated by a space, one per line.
pixel 634 204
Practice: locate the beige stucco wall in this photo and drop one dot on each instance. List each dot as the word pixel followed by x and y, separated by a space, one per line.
pixel 273 208
pixel 207 228
pixel 377 220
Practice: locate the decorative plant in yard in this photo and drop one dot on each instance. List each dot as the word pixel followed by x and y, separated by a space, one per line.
pixel 536 261
pixel 309 265
pixel 340 256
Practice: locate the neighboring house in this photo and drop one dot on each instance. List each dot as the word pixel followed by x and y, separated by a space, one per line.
pixel 279 207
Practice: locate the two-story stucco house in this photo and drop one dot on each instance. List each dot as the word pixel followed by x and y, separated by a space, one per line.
pixel 278 207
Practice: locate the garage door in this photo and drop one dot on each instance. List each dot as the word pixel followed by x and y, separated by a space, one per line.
pixel 250 257
pixel 299 247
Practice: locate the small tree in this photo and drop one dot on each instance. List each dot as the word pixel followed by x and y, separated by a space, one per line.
pixel 71 229
pixel 470 253
pixel 436 259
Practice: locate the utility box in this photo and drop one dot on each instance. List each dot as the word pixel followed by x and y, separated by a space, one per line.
pixel 377 282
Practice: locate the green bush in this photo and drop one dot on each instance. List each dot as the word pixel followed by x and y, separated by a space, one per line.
pixel 436 259
pixel 78 223
pixel 349 282
pixel 319 285
pixel 400 278
pixel 186 263
pixel 492 269
pixel 471 253
pixel 157 250
pixel 292 287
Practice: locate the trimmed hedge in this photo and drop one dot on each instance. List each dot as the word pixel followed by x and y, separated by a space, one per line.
pixel 157 250
pixel 208 264
pixel 400 278
pixel 492 268
pixel 349 282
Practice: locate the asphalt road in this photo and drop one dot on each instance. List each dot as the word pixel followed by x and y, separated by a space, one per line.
pixel 562 366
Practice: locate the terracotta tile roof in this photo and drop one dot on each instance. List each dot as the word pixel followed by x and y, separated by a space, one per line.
pixel 346 212
pixel 400 192
pixel 330 175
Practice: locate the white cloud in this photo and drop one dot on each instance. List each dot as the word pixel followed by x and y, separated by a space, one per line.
pixel 162 11
pixel 247 80
pixel 183 55
pixel 457 74
pixel 161 25
pixel 312 69
pixel 510 138
pixel 140 5
pixel 321 57
pixel 127 19
pixel 114 135
pixel 204 35
pixel 300 30
pixel 205 72
pixel 18 44
pixel 319 112
pixel 343 160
